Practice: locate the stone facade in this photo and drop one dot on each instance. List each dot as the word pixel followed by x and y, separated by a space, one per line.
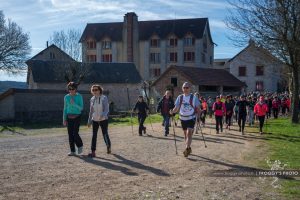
pixel 133 49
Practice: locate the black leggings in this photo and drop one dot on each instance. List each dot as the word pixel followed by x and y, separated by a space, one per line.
pixel 73 132
pixel 228 119
pixel 242 121
pixel 141 118
pixel 275 113
pixel 202 116
pixel 261 120
pixel 104 126
pixel 219 122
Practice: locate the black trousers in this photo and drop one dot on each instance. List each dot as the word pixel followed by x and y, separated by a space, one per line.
pixel 275 113
pixel 203 116
pixel 73 131
pixel 104 126
pixel 261 120
pixel 228 119
pixel 219 122
pixel 141 119
pixel 242 121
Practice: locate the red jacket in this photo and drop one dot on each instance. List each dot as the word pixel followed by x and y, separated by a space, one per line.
pixel 219 108
pixel 275 104
pixel 261 109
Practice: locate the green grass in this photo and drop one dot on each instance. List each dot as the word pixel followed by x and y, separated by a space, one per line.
pixel 283 141
pixel 126 121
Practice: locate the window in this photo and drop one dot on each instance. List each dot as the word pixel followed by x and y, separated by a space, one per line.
pixel 173 42
pixel 52 56
pixel 188 41
pixel 204 44
pixel 155 72
pixel 91 58
pixel 259 70
pixel 154 58
pixel 207 88
pixel 91 44
pixel 259 85
pixel 154 42
pixel 189 56
pixel 242 71
pixel 106 45
pixel 106 58
pixel 174 81
pixel 203 57
pixel 173 57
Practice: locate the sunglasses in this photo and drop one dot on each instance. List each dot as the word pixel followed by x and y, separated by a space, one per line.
pixel 95 90
pixel 185 87
pixel 71 88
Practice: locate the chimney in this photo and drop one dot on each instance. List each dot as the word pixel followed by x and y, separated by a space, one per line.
pixel 47 44
pixel 129 22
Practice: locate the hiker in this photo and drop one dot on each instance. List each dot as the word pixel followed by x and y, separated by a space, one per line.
pixel 275 107
pixel 260 109
pixel 219 110
pixel 187 105
pixel 203 111
pixel 269 103
pixel 229 105
pixel 98 116
pixel 252 103
pixel 210 103
pixel 284 106
pixel 73 106
pixel 236 109
pixel 164 107
pixel 142 108
pixel 242 113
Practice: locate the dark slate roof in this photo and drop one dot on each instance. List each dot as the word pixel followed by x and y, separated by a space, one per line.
pixel 207 76
pixel 162 28
pixel 53 72
pixel 99 30
pixel 54 47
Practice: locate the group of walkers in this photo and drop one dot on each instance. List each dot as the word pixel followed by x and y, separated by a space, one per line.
pixel 192 109
pixel 98 117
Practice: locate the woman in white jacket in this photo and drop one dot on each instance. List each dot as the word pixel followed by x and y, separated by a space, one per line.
pixel 98 116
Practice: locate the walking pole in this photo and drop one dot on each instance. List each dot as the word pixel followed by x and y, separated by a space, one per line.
pixel 197 125
pixel 131 123
pixel 203 137
pixel 151 123
pixel 174 134
pixel 266 125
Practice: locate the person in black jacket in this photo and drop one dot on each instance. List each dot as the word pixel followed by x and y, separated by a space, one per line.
pixel 242 113
pixel 164 107
pixel 142 108
pixel 229 105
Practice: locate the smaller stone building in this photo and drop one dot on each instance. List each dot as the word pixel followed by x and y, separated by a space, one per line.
pixel 204 80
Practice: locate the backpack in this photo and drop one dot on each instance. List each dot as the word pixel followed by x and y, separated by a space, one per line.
pixel 219 106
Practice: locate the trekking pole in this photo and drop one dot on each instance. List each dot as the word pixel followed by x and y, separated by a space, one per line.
pixel 131 122
pixel 151 123
pixel 203 137
pixel 266 125
pixel 196 124
pixel 174 134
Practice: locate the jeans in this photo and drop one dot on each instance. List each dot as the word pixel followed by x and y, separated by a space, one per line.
pixel 228 119
pixel 73 132
pixel 141 119
pixel 104 125
pixel 251 117
pixel 166 123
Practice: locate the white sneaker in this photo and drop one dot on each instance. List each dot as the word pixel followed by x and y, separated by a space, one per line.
pixel 71 154
pixel 79 150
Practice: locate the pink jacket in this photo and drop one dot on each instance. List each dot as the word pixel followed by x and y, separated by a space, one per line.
pixel 261 109
pixel 219 108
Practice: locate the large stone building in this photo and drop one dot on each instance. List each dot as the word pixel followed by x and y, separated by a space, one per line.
pixel 256 67
pixel 152 45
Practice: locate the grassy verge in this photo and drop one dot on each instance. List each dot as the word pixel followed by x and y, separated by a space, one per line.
pixel 283 141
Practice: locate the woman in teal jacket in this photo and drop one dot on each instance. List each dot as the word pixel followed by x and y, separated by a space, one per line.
pixel 73 106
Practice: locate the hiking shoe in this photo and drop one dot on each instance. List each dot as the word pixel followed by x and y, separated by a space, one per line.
pixel 72 153
pixel 108 150
pixel 261 133
pixel 186 152
pixel 79 150
pixel 166 134
pixel 217 132
pixel 144 129
pixel 189 150
pixel 92 154
pixel 243 132
pixel 240 130
pixel 221 130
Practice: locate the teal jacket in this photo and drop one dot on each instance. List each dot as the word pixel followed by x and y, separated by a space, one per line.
pixel 74 108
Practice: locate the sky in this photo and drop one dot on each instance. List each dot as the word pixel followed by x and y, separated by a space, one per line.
pixel 40 18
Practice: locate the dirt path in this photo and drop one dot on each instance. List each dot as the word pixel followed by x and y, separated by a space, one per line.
pixel 37 167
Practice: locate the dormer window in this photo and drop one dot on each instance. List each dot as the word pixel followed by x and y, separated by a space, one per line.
pixel 52 56
pixel 154 42
pixel 189 41
pixel 91 44
pixel 106 44
pixel 173 42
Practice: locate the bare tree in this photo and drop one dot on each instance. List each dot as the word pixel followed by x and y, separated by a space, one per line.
pixel 68 41
pixel 274 25
pixel 14 46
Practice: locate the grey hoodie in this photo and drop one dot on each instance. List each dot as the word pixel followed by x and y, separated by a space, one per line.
pixel 99 109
